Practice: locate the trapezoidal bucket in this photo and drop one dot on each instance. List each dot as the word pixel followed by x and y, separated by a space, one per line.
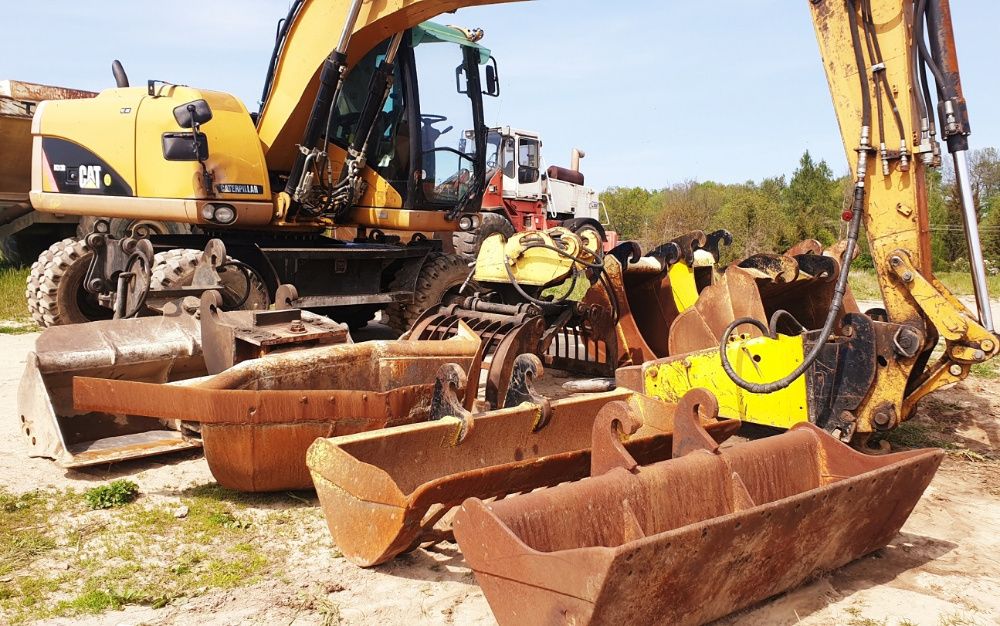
pixel 385 492
pixel 691 539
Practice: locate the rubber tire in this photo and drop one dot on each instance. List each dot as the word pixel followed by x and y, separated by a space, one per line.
pixel 468 243
pixel 55 292
pixel 22 248
pixel 440 273
pixel 175 268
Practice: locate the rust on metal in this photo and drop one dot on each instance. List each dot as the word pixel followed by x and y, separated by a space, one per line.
pixel 624 546
pixel 153 350
pixel 387 491
pixel 258 417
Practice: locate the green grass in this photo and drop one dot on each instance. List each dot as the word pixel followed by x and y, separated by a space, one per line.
pixel 989 370
pixel 112 495
pixel 864 284
pixel 14 317
pixel 916 435
pixel 59 558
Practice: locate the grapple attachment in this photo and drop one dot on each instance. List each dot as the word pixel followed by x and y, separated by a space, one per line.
pixel 384 492
pixel 624 546
pixel 258 417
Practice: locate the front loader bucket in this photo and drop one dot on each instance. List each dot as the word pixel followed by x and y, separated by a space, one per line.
pixel 153 349
pixel 384 492
pixel 258 417
pixel 691 539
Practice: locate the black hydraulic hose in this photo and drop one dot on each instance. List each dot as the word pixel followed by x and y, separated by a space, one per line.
pixel 873 40
pixel 920 92
pixel 925 54
pixel 835 306
pixel 279 42
pixel 533 300
pixel 852 240
pixel 594 266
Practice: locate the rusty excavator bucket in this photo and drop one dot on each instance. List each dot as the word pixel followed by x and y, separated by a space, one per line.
pixel 152 349
pixel 386 492
pixel 691 539
pixel 258 417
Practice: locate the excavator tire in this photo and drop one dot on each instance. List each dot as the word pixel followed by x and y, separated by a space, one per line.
pixel 175 268
pixel 439 280
pixel 55 291
pixel 467 243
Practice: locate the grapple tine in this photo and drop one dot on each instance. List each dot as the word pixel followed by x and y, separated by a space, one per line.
pixel 622 547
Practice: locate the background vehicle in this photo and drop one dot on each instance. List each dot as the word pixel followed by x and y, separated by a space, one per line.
pixel 25 233
pixel 521 194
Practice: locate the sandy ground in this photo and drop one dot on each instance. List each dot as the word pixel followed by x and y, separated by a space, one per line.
pixel 942 569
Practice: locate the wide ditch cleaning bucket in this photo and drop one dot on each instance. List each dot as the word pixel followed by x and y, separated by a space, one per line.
pixel 691 539
pixel 386 492
pixel 258 417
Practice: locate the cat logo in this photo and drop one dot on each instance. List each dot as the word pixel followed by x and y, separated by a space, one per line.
pixel 90 177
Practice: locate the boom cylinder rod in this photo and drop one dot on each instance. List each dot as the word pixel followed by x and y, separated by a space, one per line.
pixel 976 262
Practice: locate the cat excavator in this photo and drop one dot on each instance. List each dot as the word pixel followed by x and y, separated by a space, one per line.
pixel 350 134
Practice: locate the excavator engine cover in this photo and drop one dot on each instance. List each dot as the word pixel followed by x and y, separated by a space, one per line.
pixel 384 492
pixel 691 539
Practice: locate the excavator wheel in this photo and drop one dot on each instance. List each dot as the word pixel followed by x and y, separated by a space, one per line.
pixel 175 268
pixel 468 243
pixel 55 291
pixel 439 282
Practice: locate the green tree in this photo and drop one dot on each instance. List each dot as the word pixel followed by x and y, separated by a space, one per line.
pixel 813 202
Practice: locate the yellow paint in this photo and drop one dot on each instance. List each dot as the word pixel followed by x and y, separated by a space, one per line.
pixel 895 214
pixel 313 34
pixel 534 266
pixel 234 152
pixel 683 286
pixel 99 125
pixel 758 360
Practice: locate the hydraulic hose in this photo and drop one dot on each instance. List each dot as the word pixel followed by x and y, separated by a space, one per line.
pixel 852 240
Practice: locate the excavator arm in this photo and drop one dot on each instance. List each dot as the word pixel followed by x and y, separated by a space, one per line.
pixel 878 55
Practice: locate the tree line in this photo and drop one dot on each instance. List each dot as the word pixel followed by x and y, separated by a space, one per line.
pixel 775 213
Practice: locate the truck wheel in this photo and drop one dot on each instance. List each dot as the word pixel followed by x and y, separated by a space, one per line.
pixel 438 283
pixel 468 243
pixel 55 290
pixel 175 268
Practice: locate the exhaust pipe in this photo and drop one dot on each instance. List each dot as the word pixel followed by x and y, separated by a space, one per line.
pixel 574 159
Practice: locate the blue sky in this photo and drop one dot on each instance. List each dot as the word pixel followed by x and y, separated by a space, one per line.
pixel 656 92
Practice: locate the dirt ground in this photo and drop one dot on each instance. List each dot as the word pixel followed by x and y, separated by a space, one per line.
pixel 943 568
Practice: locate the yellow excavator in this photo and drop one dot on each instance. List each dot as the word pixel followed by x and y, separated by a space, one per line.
pixel 342 140
pixel 778 338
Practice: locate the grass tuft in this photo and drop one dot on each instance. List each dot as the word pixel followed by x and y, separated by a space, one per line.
pixel 113 495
